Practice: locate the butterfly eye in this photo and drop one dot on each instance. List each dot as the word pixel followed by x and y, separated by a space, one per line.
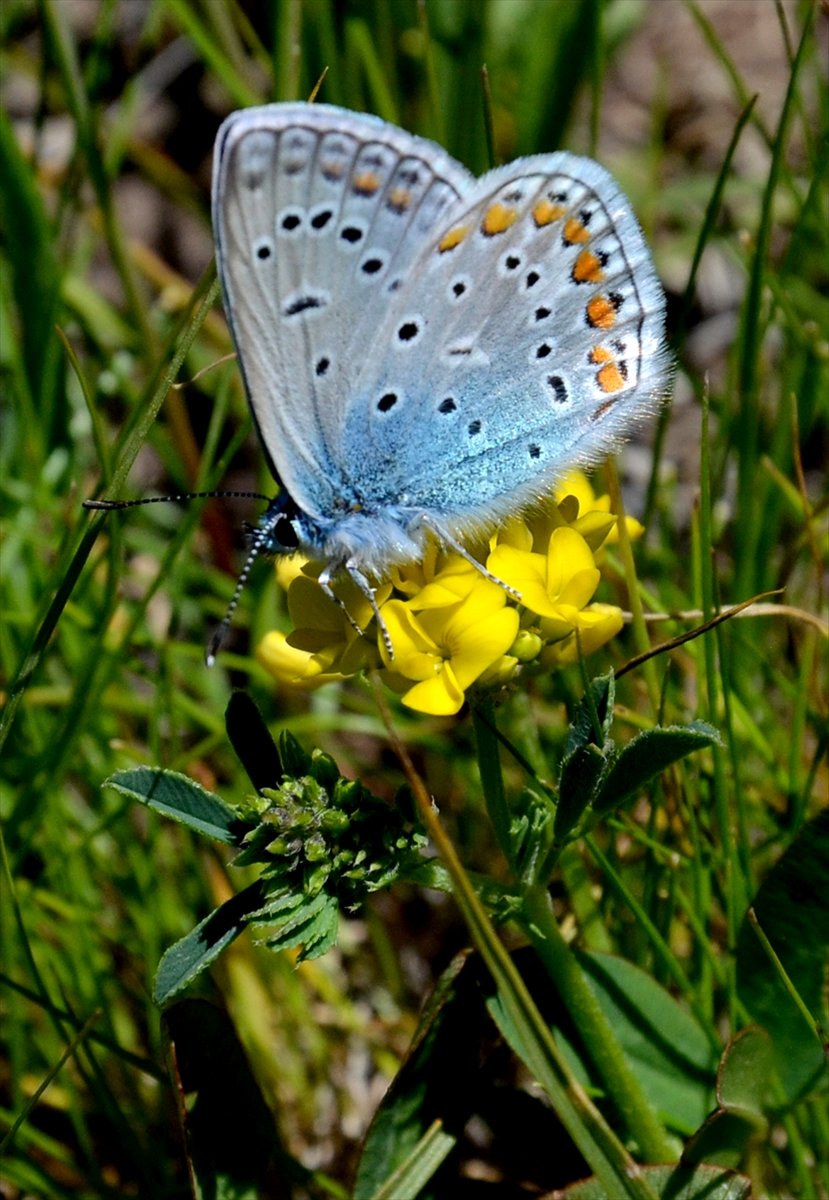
pixel 284 534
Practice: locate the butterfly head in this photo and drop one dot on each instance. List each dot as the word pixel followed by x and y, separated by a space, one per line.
pixel 281 528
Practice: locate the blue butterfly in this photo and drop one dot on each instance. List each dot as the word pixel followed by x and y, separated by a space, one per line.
pixel 425 353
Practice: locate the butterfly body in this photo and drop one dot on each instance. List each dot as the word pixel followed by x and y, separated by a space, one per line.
pixel 368 539
pixel 425 353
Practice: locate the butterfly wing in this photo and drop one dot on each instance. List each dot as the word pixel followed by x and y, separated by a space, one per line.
pixel 528 338
pixel 318 216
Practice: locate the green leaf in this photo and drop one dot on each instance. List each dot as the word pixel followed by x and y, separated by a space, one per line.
pixel 185 960
pixel 745 1072
pixel 320 934
pixel 295 762
pixel 724 1138
pixel 580 774
pixel 647 756
pixel 408 1181
pixel 668 1050
pixel 682 1182
pixel 233 1148
pixel 738 1121
pixel 593 716
pixel 313 923
pixel 546 99
pixel 439 1080
pixel 792 908
pixel 180 797
pixel 254 746
pixel 673 1059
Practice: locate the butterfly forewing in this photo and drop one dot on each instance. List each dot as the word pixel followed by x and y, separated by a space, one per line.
pixel 319 216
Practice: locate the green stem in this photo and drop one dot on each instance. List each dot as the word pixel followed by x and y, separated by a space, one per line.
pixel 595 1029
pixel 559 960
pixel 492 780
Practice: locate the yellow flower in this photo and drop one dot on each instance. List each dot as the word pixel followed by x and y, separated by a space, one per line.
pixel 450 626
pixel 445 649
pixel 534 532
pixel 556 584
pixel 578 485
pixel 287 567
pixel 595 625
pixel 592 507
pixel 439 580
pixel 294 667
pixel 324 644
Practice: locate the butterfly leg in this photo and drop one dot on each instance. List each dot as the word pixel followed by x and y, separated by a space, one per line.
pixel 447 540
pixel 360 581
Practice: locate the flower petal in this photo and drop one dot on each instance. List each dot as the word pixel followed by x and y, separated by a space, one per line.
pixel 416 655
pixel 477 646
pixel 295 667
pixel 441 695
pixel 567 554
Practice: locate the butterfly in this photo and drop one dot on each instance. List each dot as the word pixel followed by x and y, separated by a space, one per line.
pixel 425 353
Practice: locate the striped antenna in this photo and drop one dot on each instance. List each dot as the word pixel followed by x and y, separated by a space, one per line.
pixel 109 505
pixel 257 546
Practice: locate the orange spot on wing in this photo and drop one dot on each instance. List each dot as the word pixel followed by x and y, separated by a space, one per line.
pixel 399 199
pixel 575 232
pixel 366 184
pixel 601 313
pixel 453 238
pixel 609 379
pixel 587 268
pixel 544 213
pixel 600 354
pixel 497 219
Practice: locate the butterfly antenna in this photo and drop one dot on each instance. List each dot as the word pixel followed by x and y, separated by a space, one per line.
pixel 109 505
pixel 220 633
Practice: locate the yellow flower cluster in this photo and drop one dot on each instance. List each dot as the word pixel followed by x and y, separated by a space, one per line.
pixel 449 625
